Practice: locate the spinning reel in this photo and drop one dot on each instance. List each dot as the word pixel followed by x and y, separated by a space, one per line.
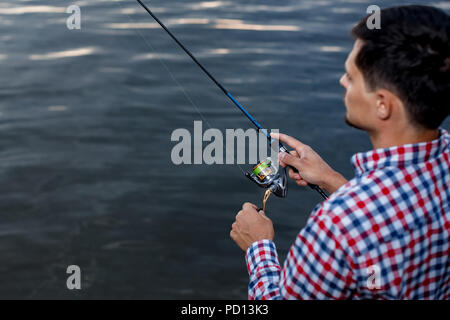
pixel 266 176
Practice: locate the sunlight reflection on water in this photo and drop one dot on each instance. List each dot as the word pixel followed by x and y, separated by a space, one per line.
pixel 65 54
pixel 31 9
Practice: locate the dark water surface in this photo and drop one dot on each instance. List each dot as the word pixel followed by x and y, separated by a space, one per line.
pixel 85 124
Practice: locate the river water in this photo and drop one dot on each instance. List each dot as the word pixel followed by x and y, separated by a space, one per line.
pixel 86 118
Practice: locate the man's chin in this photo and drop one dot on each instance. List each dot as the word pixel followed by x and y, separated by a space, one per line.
pixel 351 124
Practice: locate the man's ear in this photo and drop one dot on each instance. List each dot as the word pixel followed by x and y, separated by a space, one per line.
pixel 386 102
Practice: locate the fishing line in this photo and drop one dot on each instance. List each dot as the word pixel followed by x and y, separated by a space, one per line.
pixel 180 86
pixel 228 94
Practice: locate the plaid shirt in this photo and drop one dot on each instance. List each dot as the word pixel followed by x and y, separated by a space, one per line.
pixel 383 235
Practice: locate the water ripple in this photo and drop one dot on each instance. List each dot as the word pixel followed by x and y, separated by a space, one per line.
pixel 241 25
pixel 31 9
pixel 64 54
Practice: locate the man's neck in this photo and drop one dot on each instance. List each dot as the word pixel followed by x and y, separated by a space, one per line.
pixel 391 138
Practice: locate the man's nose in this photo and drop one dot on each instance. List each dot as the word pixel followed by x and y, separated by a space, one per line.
pixel 343 81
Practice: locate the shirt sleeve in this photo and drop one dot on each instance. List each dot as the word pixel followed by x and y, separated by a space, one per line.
pixel 264 270
pixel 316 267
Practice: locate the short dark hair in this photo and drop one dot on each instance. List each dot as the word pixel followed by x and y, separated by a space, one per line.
pixel 410 56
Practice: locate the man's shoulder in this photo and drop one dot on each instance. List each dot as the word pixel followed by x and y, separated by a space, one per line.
pixel 355 191
pixel 354 205
pixel 378 201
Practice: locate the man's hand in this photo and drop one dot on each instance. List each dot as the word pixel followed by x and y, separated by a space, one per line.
pixel 251 226
pixel 311 167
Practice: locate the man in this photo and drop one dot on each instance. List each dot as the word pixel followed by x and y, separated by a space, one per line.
pixel 385 233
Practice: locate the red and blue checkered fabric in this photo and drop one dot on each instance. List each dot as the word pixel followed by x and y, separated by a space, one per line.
pixel 383 235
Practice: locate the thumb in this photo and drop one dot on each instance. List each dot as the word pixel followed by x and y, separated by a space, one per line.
pixel 289 160
pixel 263 214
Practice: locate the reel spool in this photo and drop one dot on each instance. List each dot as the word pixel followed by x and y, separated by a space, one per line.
pixel 266 176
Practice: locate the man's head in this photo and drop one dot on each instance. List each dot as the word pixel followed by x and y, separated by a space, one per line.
pixel 399 75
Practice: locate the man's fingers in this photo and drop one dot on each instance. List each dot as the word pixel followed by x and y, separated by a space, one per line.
pixel 294 175
pixel 249 206
pixel 290 141
pixel 289 160
pixel 263 214
pixel 281 163
pixel 298 179
pixel 294 153
pixel 301 183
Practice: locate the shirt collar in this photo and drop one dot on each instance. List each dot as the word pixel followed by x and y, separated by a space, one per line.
pixel 400 156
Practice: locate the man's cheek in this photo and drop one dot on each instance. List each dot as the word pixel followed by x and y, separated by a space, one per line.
pixel 351 100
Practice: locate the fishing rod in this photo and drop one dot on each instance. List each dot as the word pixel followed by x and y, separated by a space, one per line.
pixel 281 147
